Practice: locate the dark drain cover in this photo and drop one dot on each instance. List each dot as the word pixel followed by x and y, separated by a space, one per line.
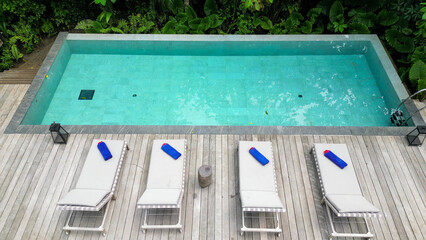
pixel 86 94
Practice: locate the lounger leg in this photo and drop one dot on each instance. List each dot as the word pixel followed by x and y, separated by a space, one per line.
pixel 354 235
pixel 67 228
pixel 243 223
pixel 278 223
pixel 145 225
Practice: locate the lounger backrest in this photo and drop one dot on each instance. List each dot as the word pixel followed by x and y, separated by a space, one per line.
pixel 164 171
pixel 98 173
pixel 253 175
pixel 335 180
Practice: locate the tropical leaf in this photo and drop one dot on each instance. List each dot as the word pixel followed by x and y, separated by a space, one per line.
pixel 314 12
pixel 417 72
pixel 215 21
pixel 387 18
pixel 210 7
pixel 194 23
pixel 15 52
pixel 190 13
pixel 116 30
pixel 266 23
pixel 335 10
pixel 176 6
pixel 108 16
pixel 307 28
pixel 358 28
pixel 84 24
pixel 91 30
pixel 97 26
pixel 399 41
pixel 169 27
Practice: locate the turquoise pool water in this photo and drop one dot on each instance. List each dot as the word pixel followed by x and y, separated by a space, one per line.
pixel 193 83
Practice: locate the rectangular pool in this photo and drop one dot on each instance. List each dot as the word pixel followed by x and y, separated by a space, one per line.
pixel 217 81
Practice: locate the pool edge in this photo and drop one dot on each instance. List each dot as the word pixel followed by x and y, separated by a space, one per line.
pixel 14 125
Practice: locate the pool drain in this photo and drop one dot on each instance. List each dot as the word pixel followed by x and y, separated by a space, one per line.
pixel 86 94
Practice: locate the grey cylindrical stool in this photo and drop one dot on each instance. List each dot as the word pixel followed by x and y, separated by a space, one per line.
pixel 205 176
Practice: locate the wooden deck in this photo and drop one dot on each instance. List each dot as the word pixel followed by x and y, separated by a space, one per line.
pixel 35 174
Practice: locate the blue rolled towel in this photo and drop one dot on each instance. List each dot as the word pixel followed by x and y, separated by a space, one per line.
pixel 259 157
pixel 335 159
pixel 171 151
pixel 106 154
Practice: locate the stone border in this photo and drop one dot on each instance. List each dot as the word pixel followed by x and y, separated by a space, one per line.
pixel 15 126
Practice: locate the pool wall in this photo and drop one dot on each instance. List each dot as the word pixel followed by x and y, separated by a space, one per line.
pixel 58 57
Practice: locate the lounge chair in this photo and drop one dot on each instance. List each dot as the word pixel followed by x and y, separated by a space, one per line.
pixel 165 184
pixel 340 189
pixel 258 186
pixel 96 185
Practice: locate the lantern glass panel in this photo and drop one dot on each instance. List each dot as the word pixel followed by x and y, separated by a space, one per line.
pixel 417 136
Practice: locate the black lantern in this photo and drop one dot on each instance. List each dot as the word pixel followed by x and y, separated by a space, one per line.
pixel 417 136
pixel 59 135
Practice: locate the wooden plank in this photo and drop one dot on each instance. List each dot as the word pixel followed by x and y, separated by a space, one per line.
pixel 391 197
pixel 400 189
pixel 197 190
pixel 189 185
pixel 289 222
pixel 379 194
pixel 51 216
pixel 217 176
pixel 27 189
pixel 32 208
pixel 17 181
pixel 224 187
pixel 413 205
pixel 303 148
pixel 367 187
pixel 234 224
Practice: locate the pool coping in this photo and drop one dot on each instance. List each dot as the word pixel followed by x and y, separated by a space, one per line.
pixel 15 126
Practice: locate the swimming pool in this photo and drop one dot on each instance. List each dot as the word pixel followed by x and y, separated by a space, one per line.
pixel 217 81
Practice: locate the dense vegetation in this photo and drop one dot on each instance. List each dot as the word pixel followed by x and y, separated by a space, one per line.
pixel 400 24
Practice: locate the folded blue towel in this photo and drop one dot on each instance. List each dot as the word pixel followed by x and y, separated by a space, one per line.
pixel 171 151
pixel 106 154
pixel 335 159
pixel 259 157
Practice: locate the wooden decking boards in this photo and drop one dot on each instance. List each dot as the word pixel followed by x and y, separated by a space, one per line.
pixel 35 174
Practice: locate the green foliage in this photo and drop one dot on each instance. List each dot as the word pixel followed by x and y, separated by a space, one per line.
pixel 210 7
pixel 399 41
pixel 417 74
pixel 256 5
pixel 387 18
pixel 188 22
pixel 6 59
pixel 336 12
pixel 84 24
pixel 48 28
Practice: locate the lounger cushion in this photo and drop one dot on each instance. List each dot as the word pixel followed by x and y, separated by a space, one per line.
pixel 337 181
pixel 351 204
pixel 84 197
pixel 253 175
pixel 98 173
pixel 165 176
pixel 257 182
pixel 160 197
pixel 164 171
pixel 259 199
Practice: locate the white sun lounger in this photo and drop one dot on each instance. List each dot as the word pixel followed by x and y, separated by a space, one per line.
pixel 165 184
pixel 340 189
pixel 96 185
pixel 258 186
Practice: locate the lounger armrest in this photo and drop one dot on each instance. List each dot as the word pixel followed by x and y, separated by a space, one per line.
pixel 351 204
pixel 83 197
